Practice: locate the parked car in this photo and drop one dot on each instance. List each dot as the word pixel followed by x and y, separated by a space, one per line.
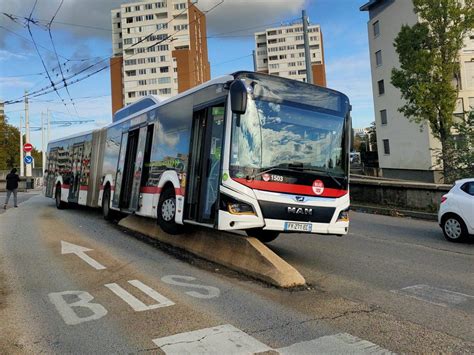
pixel 456 212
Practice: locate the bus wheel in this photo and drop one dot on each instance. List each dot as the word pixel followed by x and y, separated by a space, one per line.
pixel 263 235
pixel 106 211
pixel 167 212
pixel 60 205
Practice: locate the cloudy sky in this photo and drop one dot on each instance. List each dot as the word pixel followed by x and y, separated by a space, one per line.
pixel 81 34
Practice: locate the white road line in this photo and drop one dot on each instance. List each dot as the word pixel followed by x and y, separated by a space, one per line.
pixel 69 248
pixel 434 295
pixel 223 339
pixel 342 343
pixel 226 339
pixel 135 303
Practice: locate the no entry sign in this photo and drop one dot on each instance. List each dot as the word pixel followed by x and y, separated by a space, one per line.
pixel 27 147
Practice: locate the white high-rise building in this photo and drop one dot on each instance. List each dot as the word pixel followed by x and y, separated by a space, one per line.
pixel 405 151
pixel 280 51
pixel 159 48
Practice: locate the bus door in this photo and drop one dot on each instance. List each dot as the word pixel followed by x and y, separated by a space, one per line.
pixel 51 177
pixel 128 168
pixel 205 164
pixel 76 172
pixel 142 157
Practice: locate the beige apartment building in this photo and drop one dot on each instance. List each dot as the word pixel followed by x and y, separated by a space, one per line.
pixel 159 48
pixel 405 150
pixel 280 51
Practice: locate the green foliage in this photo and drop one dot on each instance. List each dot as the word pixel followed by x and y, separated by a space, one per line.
pixel 10 148
pixel 429 64
pixel 460 150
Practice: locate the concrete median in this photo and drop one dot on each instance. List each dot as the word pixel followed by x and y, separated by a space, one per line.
pixel 244 254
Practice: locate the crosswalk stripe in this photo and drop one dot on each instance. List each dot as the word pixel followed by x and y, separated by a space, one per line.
pixel 227 339
pixel 341 343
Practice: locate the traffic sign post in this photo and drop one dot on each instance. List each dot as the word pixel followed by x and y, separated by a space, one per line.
pixel 27 147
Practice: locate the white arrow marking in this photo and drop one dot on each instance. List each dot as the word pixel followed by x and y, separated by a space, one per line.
pixel 69 248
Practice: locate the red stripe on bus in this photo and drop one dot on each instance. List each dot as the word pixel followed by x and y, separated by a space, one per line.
pixel 65 186
pixel 289 188
pixel 84 188
pixel 150 189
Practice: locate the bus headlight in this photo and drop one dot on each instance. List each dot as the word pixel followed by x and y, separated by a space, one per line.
pixel 343 216
pixel 240 208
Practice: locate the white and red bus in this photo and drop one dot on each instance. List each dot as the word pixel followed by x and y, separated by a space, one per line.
pixel 246 151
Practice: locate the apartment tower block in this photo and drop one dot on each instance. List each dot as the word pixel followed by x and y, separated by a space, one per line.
pixel 159 48
pixel 405 151
pixel 280 51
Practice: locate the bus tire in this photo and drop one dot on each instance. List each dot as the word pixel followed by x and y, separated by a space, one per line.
pixel 60 205
pixel 265 236
pixel 107 213
pixel 167 212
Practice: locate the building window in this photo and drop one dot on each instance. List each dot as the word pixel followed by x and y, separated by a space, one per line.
pixel 148 6
pixel 381 87
pixel 153 71
pixel 383 116
pixel 137 8
pixel 131 94
pixel 166 91
pixel 127 41
pixel 141 61
pixel 141 82
pixel 131 72
pixel 128 9
pixel 164 69
pixel 180 6
pixel 153 92
pixel 164 80
pixel 148 17
pixel 129 19
pixel 159 5
pixel 376 28
pixel 386 147
pixel 378 58
pixel 141 71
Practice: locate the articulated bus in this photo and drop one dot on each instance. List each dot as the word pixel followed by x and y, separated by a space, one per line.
pixel 246 151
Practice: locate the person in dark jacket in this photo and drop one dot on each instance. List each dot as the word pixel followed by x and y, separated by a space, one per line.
pixel 12 187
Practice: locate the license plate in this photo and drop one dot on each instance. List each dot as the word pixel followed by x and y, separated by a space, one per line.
pixel 299 227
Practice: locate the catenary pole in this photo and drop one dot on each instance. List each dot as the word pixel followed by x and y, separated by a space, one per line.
pixel 22 164
pixel 27 132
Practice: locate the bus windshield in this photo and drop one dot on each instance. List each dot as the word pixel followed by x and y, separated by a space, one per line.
pixel 275 134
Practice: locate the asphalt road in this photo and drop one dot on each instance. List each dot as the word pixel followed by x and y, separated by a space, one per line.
pixel 126 294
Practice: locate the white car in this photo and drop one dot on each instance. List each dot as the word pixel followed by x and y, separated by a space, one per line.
pixel 456 212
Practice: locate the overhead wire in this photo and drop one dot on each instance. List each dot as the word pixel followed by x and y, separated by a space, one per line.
pixel 57 57
pixel 39 54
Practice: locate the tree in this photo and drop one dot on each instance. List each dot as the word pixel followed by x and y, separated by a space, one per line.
pixel 10 147
pixel 460 149
pixel 429 62
pixel 372 137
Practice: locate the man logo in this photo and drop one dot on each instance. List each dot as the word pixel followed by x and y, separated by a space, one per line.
pixel 300 210
pixel 300 198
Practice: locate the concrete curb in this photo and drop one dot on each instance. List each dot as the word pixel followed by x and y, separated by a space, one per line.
pixel 395 212
pixel 246 255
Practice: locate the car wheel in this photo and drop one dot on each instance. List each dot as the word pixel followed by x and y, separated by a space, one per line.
pixel 167 212
pixel 454 228
pixel 264 236
pixel 60 205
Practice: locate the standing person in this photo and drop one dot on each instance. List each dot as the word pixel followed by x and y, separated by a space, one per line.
pixel 12 187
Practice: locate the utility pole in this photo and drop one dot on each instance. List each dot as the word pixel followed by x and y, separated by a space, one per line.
pixel 43 153
pixel 22 163
pixel 27 132
pixel 307 52
pixel 254 56
pixel 49 126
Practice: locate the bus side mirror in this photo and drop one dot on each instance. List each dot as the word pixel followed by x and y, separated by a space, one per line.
pixel 238 97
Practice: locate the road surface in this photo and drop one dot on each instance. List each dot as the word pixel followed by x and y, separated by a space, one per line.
pixel 71 282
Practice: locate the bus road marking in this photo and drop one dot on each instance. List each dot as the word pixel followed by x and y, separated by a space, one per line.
pixel 179 280
pixel 69 248
pixel 434 295
pixel 66 309
pixel 135 303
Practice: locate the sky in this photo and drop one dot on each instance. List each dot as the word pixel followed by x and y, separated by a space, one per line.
pixel 81 36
